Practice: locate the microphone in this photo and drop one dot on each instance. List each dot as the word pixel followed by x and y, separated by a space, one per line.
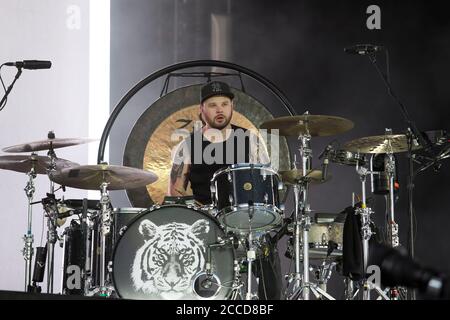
pixel 39 264
pixel 30 64
pixel 326 161
pixel 363 49
pixel 325 168
pixel 398 269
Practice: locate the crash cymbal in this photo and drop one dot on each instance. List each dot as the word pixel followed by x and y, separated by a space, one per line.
pixel 47 144
pixel 295 175
pixel 90 177
pixel 380 144
pixel 23 163
pixel 315 125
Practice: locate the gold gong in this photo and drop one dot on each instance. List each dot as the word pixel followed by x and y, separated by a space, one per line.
pixel 154 134
pixel 163 140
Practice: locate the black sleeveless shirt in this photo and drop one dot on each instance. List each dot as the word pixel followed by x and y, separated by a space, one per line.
pixel 201 172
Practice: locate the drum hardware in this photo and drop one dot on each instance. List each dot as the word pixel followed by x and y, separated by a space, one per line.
pixel 28 237
pixel 323 274
pixel 104 177
pixel 302 285
pixel 236 293
pixel 207 279
pixel 201 263
pixel 51 209
pixel 240 187
pixel 365 213
pixel 388 145
pixel 304 127
pixel 33 165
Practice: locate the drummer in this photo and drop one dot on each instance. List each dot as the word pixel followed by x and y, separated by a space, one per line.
pixel 216 145
pixel 192 163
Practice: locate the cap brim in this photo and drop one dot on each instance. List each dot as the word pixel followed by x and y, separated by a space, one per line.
pixel 224 94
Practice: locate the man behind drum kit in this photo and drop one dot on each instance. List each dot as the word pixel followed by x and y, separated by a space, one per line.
pixel 216 146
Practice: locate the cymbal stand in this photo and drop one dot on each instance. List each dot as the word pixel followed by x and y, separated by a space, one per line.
pixel 251 256
pixel 28 237
pixel 52 214
pixel 365 213
pixel 236 292
pixel 392 227
pixel 323 273
pixel 302 223
pixel 106 221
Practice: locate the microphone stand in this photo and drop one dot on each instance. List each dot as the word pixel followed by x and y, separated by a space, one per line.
pixel 411 134
pixel 3 101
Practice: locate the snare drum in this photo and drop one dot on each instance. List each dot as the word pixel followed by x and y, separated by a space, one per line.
pixel 321 235
pixel 162 254
pixel 246 198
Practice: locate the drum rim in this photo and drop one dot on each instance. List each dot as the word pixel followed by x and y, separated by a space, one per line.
pixel 129 209
pixel 214 276
pixel 150 210
pixel 269 208
pixel 242 166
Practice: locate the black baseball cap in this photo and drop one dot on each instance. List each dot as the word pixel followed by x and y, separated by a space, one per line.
pixel 215 88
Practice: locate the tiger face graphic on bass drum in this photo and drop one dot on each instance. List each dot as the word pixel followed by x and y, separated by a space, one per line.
pixel 171 255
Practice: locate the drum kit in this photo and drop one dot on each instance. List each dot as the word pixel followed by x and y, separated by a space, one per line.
pixel 180 250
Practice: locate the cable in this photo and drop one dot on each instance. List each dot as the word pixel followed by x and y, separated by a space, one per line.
pixel 4 88
pixel 262 276
pixel 42 230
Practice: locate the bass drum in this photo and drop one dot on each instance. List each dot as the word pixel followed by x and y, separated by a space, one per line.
pixel 162 254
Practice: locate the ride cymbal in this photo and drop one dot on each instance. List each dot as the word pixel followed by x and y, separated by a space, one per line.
pixel 23 163
pixel 47 144
pixel 295 175
pixel 90 177
pixel 393 143
pixel 314 125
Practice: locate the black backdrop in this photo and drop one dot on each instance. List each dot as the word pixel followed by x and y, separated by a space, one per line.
pixel 299 46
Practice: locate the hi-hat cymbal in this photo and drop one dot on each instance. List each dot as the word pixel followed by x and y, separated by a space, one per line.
pixel 90 177
pixel 314 125
pixel 295 175
pixel 47 144
pixel 22 163
pixel 393 143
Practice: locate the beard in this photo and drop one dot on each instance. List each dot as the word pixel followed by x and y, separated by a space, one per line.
pixel 213 123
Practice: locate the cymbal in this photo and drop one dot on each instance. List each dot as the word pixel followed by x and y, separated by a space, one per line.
pixel 90 177
pixel 380 144
pixel 47 144
pixel 23 163
pixel 315 125
pixel 295 175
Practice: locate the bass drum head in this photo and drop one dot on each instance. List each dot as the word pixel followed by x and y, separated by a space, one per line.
pixel 163 252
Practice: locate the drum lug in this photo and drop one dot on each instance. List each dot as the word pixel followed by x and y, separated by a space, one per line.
pixel 154 207
pixel 266 198
pixel 122 230
pixel 230 178
pixel 230 198
pixel 282 207
pixel 280 186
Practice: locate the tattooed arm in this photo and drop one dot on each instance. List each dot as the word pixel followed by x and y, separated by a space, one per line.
pixel 258 150
pixel 179 174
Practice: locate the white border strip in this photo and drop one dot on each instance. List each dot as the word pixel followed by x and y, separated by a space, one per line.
pixel 99 77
